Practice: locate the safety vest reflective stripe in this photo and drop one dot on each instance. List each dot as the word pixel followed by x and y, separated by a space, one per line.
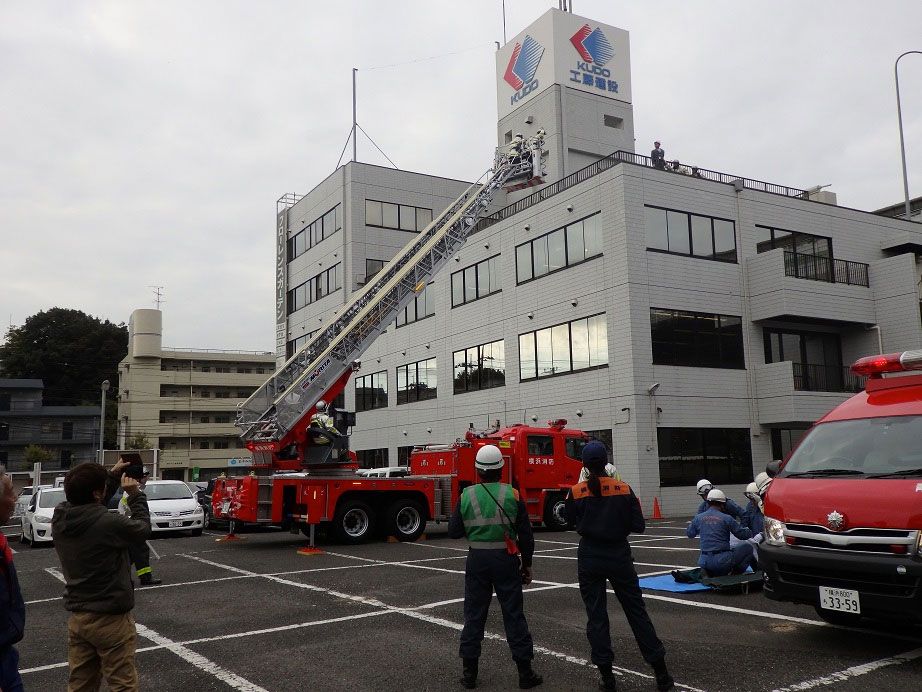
pixel 488 531
pixel 487 545
pixel 479 519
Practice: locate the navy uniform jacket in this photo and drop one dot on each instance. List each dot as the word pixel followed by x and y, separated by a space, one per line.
pixel 715 528
pixel 608 518
pixel 733 509
pixel 751 518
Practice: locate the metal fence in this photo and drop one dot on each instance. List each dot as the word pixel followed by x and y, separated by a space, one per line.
pixel 826 378
pixel 819 268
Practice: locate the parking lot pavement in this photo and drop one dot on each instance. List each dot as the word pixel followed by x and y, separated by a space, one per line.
pixel 256 615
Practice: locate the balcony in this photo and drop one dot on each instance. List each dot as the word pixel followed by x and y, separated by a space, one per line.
pixel 789 285
pixel 789 392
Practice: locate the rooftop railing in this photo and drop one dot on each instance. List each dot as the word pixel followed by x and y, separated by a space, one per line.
pixel 819 268
pixel 628 157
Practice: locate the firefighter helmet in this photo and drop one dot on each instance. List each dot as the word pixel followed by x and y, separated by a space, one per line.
pixel 704 485
pixel 717 496
pixel 489 457
pixel 321 406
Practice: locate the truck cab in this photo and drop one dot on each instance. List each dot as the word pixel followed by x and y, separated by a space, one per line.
pixel 843 514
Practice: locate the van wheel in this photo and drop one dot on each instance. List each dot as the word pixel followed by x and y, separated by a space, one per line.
pixel 405 520
pixel 555 515
pixel 353 522
pixel 834 617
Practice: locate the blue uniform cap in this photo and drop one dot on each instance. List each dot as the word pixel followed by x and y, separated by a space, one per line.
pixel 595 454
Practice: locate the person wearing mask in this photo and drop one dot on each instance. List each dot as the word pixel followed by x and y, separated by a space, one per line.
pixel 93 547
pixel 718 558
pixel 658 156
pixel 604 512
pixel 12 606
pixel 703 488
pixel 493 518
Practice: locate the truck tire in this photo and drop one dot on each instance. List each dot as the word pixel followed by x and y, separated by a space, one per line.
pixel 405 520
pixel 555 517
pixel 353 522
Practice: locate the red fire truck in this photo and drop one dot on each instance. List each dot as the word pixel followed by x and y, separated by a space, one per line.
pixel 302 478
pixel 843 515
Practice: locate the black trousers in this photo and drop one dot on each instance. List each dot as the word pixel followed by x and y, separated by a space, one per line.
pixel 598 564
pixel 486 571
pixel 140 556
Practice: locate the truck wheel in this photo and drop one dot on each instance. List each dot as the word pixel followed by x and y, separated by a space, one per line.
pixel 353 522
pixel 405 520
pixel 834 617
pixel 555 516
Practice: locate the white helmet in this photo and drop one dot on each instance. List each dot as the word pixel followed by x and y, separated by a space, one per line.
pixel 704 485
pixel 321 406
pixel 717 496
pixel 752 491
pixel 489 457
pixel 762 483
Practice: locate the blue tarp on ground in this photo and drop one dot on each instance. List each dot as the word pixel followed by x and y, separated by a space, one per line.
pixel 666 582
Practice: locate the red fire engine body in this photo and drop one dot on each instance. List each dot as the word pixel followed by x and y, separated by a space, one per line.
pixel 843 515
pixel 542 462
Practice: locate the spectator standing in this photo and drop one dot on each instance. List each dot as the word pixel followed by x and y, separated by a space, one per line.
pixel 658 156
pixel 93 546
pixel 12 607
pixel 605 512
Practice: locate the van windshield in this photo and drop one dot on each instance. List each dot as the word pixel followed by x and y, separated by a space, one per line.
pixel 870 447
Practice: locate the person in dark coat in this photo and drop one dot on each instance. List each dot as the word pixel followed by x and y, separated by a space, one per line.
pixel 658 156
pixel 12 607
pixel 605 511
pixel 493 518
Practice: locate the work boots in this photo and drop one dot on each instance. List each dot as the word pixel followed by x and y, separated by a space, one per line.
pixel 607 681
pixel 148 580
pixel 469 673
pixel 528 678
pixel 664 680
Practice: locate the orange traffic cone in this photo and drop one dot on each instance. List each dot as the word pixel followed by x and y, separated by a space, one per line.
pixel 656 513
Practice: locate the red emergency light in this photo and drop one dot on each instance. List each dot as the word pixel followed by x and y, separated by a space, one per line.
pixel 875 366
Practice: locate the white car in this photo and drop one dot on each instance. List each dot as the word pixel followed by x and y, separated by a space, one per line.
pixel 22 501
pixel 36 519
pixel 385 472
pixel 173 507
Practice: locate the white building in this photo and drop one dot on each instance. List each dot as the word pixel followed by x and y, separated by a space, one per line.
pixel 696 323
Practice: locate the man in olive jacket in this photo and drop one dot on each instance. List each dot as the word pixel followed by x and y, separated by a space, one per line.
pixel 92 544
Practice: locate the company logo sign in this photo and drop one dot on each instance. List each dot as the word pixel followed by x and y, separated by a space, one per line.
pixel 314 375
pixel 520 72
pixel 595 51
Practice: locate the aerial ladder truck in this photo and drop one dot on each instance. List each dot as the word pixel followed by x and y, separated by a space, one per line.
pixel 300 483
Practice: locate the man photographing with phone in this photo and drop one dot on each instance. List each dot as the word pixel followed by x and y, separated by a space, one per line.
pixel 140 551
pixel 93 546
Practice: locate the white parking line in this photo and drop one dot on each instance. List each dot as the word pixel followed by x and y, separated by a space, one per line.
pixel 199 661
pixel 56 573
pixel 854 671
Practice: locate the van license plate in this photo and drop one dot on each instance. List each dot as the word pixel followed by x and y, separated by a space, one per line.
pixel 175 524
pixel 842 600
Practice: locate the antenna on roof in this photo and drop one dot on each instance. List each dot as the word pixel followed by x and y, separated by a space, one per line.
pixel 158 296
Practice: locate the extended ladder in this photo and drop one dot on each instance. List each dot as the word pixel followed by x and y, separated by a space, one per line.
pixel 292 391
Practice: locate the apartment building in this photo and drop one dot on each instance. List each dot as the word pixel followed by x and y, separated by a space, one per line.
pixel 696 321
pixel 184 400
pixel 70 433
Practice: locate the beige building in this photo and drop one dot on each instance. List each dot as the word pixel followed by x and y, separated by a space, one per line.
pixel 184 400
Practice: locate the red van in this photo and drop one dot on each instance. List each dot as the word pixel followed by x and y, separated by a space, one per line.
pixel 843 514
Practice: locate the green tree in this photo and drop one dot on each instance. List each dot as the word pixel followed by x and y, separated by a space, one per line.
pixel 70 351
pixel 138 441
pixel 35 454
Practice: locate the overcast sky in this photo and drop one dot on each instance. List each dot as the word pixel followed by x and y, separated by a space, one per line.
pixel 145 143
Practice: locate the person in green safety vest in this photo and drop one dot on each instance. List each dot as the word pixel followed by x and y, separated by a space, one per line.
pixel 495 521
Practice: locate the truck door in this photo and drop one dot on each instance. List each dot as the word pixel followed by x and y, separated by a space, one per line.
pixel 540 461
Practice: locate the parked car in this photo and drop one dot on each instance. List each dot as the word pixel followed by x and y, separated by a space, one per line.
pixel 173 507
pixel 385 472
pixel 36 520
pixel 22 501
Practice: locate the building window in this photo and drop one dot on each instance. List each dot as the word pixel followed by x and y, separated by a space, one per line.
pixel 563 348
pixel 203 419
pixel 67 430
pixel 422 306
pixel 476 281
pixel 243 393
pixel 561 248
pixel 784 439
pixel 371 391
pixel 681 233
pixel 220 419
pixel 416 381
pixel 400 217
pixel 816 359
pixel 222 369
pixel 696 339
pixel 403 455
pixel 314 232
pixel 4 401
pixel 222 395
pixel 722 455
pixel 372 267
pixel 296 345
pixel 371 458
pixel 203 444
pixel 222 444
pixel 4 458
pixel 768 238
pixel 315 288
pixel 206 368
pixel 605 437
pixel 244 371
pixel 4 432
pixel 479 367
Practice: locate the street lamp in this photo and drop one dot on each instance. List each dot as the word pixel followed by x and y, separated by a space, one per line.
pixel 102 418
pixel 899 116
